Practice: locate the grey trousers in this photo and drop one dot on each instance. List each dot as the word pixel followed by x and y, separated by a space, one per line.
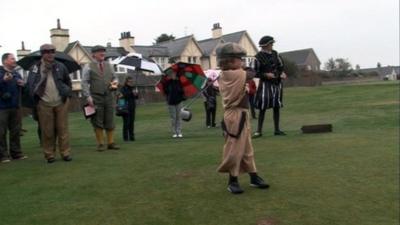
pixel 174 113
pixel 9 122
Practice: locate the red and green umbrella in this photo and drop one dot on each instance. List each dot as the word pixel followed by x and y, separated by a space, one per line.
pixel 191 76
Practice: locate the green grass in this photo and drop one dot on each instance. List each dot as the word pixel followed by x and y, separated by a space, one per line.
pixel 347 177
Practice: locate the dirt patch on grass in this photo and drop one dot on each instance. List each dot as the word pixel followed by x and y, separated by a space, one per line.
pixel 384 103
pixel 268 221
pixel 183 175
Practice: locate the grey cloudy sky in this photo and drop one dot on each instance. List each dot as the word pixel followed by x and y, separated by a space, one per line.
pixel 364 31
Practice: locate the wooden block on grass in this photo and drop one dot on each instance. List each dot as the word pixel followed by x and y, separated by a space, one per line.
pixel 317 128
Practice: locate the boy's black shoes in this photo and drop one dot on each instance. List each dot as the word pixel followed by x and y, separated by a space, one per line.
pixel 258 182
pixel 235 188
pixel 67 158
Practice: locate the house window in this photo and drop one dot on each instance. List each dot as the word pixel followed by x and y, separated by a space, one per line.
pixel 161 61
pixel 192 59
pixel 121 69
pixel 76 76
pixel 248 61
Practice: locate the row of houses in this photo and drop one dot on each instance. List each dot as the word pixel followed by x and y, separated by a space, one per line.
pixel 184 49
pixel 383 72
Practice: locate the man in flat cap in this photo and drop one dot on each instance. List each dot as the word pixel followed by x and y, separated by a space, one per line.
pixel 238 155
pixel 269 68
pixel 51 88
pixel 98 86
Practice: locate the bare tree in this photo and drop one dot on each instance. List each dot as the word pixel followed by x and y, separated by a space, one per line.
pixel 343 64
pixel 330 65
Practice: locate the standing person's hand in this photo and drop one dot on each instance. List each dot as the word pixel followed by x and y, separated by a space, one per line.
pixel 283 75
pixel 90 101
pixel 114 85
pixel 20 82
pixel 247 88
pixel 270 76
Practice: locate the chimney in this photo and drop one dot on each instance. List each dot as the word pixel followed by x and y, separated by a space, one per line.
pixel 21 53
pixel 59 37
pixel 216 31
pixel 127 41
pixel 109 45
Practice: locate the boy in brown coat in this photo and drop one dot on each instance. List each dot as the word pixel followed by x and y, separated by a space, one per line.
pixel 238 156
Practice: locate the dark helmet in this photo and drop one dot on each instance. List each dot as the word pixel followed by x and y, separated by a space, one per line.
pixel 266 40
pixel 230 49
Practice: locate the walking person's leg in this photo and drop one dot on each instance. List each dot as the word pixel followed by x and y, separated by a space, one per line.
pixel 276 116
pixel 108 121
pixel 208 115
pixel 62 132
pixel 47 126
pixel 178 121
pixel 213 114
pixel 260 123
pixel 132 125
pixel 4 157
pixel 14 126
pixel 172 115
pixel 98 121
pixel 252 107
pixel 125 124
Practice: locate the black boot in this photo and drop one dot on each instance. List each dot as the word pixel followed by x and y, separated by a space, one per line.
pixel 233 185
pixel 279 133
pixel 276 115
pixel 257 182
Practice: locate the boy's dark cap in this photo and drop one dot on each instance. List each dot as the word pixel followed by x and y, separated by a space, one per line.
pixel 231 50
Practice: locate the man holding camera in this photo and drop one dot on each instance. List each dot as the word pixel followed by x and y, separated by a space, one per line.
pixel 10 84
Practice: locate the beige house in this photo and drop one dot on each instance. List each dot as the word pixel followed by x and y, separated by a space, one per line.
pixel 209 46
pixel 184 49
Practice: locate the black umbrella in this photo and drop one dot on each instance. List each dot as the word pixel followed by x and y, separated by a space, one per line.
pixel 28 61
pixel 134 61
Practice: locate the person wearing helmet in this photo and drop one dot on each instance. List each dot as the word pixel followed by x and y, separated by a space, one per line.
pixel 238 155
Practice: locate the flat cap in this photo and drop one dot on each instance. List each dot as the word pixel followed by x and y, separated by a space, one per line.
pixel 266 40
pixel 98 48
pixel 230 49
pixel 47 47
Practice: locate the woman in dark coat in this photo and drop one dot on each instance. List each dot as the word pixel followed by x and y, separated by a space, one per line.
pixel 269 68
pixel 210 103
pixel 130 96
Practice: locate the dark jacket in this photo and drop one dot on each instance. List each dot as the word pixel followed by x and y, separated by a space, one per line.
pixel 210 93
pixel 61 79
pixel 129 96
pixel 9 90
pixel 268 63
pixel 174 92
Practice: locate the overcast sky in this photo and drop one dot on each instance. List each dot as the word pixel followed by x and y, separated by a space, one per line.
pixel 364 31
